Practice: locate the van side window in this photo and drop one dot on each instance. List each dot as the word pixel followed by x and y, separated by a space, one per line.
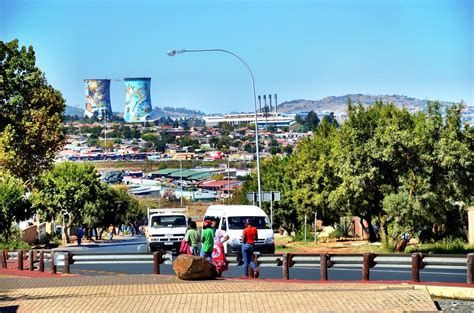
pixel 214 219
pixel 224 224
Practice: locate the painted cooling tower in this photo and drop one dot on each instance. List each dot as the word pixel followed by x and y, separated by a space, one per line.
pixel 97 98
pixel 137 99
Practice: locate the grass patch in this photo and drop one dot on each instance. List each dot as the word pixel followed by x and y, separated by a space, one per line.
pixel 284 249
pixel 14 245
pixel 445 246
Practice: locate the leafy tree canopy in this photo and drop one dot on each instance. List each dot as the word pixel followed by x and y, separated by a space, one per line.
pixel 31 130
pixel 14 205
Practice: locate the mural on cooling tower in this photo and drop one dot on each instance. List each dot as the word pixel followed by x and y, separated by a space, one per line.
pixel 97 97
pixel 137 99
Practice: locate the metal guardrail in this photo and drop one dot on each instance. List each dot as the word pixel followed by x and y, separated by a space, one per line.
pixel 392 261
pixel 415 261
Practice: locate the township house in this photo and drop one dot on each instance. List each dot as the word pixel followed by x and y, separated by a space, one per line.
pixel 223 186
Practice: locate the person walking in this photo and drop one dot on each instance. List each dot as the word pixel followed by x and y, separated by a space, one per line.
pixel 111 231
pixel 207 240
pixel 249 235
pixel 192 238
pixel 79 235
pixel 218 254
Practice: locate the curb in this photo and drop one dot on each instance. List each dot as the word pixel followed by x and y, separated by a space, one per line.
pixel 448 292
pixel 31 274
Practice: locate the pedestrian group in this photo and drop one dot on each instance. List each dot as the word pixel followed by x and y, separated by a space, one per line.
pixel 211 240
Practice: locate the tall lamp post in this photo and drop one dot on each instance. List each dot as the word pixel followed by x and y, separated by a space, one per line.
pixel 181 180
pixel 172 53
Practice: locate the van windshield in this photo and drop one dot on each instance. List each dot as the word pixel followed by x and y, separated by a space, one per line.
pixel 237 222
pixel 168 221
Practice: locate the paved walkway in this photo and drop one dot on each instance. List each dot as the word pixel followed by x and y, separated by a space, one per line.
pixel 148 293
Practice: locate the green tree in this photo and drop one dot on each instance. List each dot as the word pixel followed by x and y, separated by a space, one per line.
pixel 440 175
pixel 31 130
pixel 299 119
pixel 113 206
pixel 312 120
pixel 14 206
pixel 370 155
pixel 331 119
pixel 113 177
pixel 69 187
pixel 274 177
pixel 313 175
pixel 127 132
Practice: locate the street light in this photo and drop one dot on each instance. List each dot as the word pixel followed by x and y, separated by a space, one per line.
pixel 172 53
pixel 228 180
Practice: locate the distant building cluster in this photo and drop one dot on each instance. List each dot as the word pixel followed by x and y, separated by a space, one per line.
pixel 264 119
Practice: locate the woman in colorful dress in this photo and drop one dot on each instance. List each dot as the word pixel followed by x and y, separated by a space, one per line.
pixel 218 254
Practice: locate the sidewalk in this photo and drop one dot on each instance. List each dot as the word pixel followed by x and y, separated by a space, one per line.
pixel 136 293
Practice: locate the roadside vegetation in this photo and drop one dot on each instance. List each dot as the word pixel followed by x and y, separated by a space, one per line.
pixel 405 175
pixel 31 133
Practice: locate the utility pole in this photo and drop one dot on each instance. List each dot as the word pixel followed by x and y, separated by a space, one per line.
pixel 181 179
pixel 315 224
pixel 228 180
pixel 305 222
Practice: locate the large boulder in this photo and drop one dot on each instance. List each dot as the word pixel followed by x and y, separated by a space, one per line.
pixel 191 267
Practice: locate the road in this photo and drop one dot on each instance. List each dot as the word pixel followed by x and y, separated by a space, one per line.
pixel 138 245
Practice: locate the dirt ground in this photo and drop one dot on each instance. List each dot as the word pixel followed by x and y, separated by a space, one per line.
pixel 284 244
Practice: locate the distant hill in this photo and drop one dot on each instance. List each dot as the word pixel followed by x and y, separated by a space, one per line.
pixel 339 103
pixel 155 113
pixel 72 111
pixel 174 113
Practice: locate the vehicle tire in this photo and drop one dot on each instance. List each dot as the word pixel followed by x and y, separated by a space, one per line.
pixel 151 249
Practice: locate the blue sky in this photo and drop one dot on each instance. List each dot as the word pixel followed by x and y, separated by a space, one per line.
pixel 297 49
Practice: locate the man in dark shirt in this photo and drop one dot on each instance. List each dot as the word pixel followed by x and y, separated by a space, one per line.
pixel 249 235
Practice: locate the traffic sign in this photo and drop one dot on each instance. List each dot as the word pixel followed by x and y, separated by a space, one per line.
pixel 267 196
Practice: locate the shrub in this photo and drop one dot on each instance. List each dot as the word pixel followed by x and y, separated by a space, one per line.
pixel 14 245
pixel 342 229
pixel 336 234
pixel 299 235
pixel 448 245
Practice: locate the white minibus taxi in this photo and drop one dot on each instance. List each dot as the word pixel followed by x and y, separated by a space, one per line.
pixel 230 218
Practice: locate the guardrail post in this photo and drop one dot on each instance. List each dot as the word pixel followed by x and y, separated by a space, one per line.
pixel 368 262
pixel 41 261
pixel 157 260
pixel 470 268
pixel 20 260
pixel 324 266
pixel 67 263
pixel 287 263
pixel 3 259
pixel 52 266
pixel 416 259
pixel 31 260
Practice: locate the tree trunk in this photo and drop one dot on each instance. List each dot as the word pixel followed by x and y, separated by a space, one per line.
pixel 369 229
pixel 400 246
pixel 372 235
pixel 383 233
pixel 66 233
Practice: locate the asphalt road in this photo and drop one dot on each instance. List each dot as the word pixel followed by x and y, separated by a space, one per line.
pixel 138 244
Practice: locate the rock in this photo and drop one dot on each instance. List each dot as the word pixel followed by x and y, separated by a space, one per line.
pixel 191 267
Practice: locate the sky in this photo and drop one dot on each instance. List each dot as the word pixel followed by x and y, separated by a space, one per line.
pixel 296 49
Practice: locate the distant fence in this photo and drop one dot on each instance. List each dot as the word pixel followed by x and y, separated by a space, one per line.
pixel 36 259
